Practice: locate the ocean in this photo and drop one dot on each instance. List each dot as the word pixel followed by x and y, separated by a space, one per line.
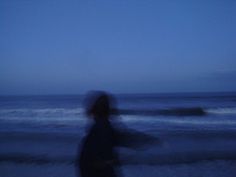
pixel 40 135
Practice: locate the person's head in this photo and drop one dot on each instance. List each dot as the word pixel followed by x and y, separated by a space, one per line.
pixel 99 105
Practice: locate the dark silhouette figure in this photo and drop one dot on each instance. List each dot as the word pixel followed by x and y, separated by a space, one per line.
pixel 97 156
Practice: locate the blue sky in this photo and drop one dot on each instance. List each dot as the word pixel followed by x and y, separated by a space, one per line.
pixel 125 46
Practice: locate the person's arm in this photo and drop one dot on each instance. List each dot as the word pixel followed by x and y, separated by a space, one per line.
pixel 134 139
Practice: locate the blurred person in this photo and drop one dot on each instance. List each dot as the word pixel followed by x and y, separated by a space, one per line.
pixel 97 157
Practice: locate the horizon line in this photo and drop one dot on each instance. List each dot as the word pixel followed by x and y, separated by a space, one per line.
pixel 121 93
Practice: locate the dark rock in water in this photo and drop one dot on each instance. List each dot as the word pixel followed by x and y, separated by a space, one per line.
pixel 197 111
pixel 183 112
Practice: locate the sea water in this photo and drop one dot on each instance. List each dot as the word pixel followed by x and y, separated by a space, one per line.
pixel 196 133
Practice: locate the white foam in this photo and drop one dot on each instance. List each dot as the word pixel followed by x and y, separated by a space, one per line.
pixel 42 112
pixel 222 110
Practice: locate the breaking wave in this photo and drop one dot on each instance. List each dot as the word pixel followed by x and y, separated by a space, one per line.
pixel 54 112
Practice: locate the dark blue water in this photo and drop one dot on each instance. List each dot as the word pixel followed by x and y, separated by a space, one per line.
pixel 27 112
pixel 48 129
